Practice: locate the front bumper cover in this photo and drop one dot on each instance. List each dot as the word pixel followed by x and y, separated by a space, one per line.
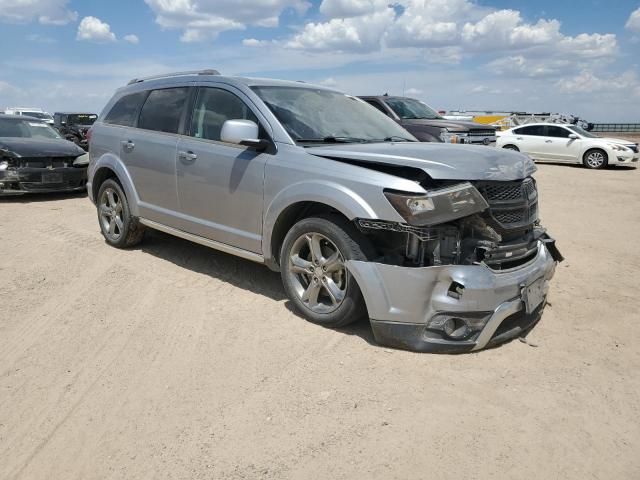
pixel 18 181
pixel 402 301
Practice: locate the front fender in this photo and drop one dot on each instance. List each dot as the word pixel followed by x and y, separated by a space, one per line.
pixel 333 194
pixel 113 163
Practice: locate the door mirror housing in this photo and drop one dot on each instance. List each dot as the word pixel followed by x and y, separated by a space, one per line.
pixel 573 136
pixel 242 132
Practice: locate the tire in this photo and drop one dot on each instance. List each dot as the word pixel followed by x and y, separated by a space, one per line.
pixel 338 301
pixel 118 227
pixel 595 159
pixel 511 147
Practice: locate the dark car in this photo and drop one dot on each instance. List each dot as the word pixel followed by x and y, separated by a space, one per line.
pixel 427 125
pixel 74 126
pixel 35 158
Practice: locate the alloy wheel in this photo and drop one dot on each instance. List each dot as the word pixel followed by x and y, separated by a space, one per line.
pixel 111 214
pixel 595 159
pixel 317 272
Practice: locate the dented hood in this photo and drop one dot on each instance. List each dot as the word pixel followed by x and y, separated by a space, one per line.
pixel 441 161
pixel 38 147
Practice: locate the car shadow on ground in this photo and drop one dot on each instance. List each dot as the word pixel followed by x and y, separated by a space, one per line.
pixel 234 270
pixel 41 197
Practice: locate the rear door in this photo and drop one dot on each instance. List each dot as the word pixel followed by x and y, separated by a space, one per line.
pixel 558 146
pixel 220 185
pixel 149 152
pixel 530 139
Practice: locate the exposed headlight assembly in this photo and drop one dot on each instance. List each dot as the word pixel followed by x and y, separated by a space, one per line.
pixel 438 206
pixel 450 137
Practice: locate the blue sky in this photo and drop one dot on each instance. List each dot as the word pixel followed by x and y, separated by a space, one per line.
pixel 579 57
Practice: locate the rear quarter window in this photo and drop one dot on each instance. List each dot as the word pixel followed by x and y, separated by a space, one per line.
pixel 124 111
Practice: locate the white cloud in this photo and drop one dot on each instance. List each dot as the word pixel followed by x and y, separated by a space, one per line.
pixel 413 92
pixel 201 20
pixel 46 12
pixel 131 38
pixel 588 82
pixel 95 30
pixel 633 23
pixel 253 42
pixel 329 82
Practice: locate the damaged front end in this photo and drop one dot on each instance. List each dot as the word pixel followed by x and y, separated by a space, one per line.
pixel 41 173
pixel 469 268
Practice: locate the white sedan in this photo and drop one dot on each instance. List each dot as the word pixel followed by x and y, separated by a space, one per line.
pixel 568 143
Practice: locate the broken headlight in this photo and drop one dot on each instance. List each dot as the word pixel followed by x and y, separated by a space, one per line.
pixel 438 206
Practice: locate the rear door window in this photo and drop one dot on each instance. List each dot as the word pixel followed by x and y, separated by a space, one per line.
pixel 534 130
pixel 163 110
pixel 125 110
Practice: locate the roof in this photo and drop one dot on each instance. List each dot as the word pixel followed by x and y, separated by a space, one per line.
pixel 182 77
pixel 543 124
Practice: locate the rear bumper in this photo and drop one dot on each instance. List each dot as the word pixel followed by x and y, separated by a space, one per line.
pixel 42 180
pixel 407 305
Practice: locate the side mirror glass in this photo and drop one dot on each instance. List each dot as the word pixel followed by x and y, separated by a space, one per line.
pixel 573 136
pixel 242 132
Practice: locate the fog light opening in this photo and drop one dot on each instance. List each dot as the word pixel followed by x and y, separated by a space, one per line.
pixel 456 328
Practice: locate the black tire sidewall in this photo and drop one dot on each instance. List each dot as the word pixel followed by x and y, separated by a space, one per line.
pixel 127 220
pixel 352 247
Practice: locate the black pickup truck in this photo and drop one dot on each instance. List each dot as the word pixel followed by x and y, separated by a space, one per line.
pixel 427 125
pixel 73 126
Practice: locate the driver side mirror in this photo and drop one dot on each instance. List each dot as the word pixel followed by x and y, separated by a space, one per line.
pixel 573 136
pixel 242 132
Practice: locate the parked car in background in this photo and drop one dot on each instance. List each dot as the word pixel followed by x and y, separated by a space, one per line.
pixel 439 245
pixel 427 125
pixel 30 112
pixel 568 143
pixel 74 126
pixel 35 158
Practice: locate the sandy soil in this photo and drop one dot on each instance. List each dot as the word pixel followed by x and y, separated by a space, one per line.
pixel 175 361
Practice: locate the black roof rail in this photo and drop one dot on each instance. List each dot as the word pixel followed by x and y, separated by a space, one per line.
pixel 175 74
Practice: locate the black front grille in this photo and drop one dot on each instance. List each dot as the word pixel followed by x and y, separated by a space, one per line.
pixel 483 133
pixel 512 205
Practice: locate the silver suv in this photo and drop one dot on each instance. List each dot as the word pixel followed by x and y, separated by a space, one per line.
pixel 439 245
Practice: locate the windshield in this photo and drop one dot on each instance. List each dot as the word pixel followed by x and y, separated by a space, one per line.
pixel 82 119
pixel 315 115
pixel 410 109
pixel 26 129
pixel 40 115
pixel 581 132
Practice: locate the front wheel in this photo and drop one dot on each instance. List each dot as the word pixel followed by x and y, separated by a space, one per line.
pixel 595 158
pixel 314 274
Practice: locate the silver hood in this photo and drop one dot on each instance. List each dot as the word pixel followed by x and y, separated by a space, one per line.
pixel 441 161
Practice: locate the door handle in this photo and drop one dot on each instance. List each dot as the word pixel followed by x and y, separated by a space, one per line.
pixel 518 138
pixel 548 141
pixel 128 145
pixel 187 157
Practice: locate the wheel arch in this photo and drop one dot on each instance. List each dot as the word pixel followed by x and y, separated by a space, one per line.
pixel 109 166
pixel 302 201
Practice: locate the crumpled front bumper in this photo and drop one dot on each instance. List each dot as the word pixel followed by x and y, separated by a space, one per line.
pixel 18 181
pixel 404 302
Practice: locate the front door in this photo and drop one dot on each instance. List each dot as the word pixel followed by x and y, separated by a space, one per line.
pixel 558 146
pixel 220 185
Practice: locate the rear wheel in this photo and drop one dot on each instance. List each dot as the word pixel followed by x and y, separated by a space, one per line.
pixel 595 158
pixel 511 147
pixel 314 274
pixel 118 227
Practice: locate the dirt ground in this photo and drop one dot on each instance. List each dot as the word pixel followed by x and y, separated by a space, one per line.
pixel 174 361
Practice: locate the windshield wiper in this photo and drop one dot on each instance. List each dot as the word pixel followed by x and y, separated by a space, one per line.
pixel 392 138
pixel 331 139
